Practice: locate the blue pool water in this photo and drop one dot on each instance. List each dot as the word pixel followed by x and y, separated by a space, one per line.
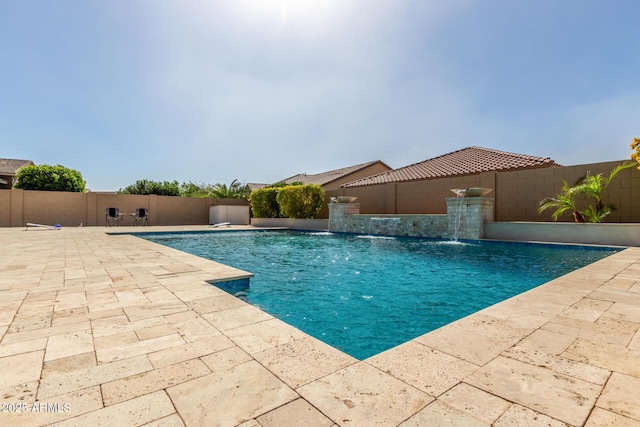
pixel 366 294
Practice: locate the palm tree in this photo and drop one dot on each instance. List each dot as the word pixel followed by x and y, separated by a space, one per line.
pixel 235 190
pixel 591 214
pixel 562 202
pixel 594 186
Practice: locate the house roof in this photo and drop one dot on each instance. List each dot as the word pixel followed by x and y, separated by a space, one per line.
pixel 11 166
pixel 256 185
pixel 327 177
pixel 467 161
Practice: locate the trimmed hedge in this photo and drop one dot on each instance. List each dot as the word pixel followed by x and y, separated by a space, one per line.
pixel 301 201
pixel 290 201
pixel 264 203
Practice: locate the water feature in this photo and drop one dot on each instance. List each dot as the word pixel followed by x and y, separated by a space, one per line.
pixel 365 296
pixel 383 225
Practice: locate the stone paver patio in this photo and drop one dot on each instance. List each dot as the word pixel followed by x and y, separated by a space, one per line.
pixel 101 329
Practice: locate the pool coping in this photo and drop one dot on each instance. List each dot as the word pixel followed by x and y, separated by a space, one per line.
pixel 133 326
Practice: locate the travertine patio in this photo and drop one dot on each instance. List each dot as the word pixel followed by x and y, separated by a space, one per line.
pixel 113 330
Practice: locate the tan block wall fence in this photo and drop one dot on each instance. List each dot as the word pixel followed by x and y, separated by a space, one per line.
pixel 18 207
pixel 517 194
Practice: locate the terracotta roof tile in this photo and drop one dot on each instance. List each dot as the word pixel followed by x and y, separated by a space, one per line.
pixel 467 161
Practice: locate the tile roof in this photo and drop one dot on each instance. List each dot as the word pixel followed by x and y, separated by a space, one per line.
pixel 11 166
pixel 467 161
pixel 253 186
pixel 327 177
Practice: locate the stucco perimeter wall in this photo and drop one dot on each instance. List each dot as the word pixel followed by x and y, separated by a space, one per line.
pixel 379 199
pixel 53 207
pixel 517 194
pixel 5 208
pixel 18 207
pixel 413 197
pixel 594 234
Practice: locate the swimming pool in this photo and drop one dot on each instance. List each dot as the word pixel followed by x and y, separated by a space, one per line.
pixel 366 294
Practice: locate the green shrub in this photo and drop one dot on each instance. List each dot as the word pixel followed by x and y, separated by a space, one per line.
pixel 50 178
pixel 301 201
pixel 145 187
pixel 264 202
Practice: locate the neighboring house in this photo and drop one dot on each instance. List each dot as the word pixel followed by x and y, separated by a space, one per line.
pixel 253 186
pixel 422 187
pixel 334 179
pixel 9 169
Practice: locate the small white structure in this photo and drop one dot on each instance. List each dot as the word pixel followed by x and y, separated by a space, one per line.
pixel 234 214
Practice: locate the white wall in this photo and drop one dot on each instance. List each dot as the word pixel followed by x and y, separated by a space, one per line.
pixel 238 215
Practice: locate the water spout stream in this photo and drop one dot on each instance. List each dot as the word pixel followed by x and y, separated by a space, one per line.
pixel 458 221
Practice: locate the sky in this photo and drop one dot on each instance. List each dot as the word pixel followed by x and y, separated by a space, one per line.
pixel 208 91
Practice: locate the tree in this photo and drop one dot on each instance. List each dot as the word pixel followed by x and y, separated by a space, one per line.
pixel 235 190
pixel 50 178
pixel 562 202
pixel 146 187
pixel 191 189
pixel 635 146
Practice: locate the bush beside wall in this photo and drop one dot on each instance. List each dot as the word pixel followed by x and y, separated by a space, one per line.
pixel 301 201
pixel 291 201
pixel 264 202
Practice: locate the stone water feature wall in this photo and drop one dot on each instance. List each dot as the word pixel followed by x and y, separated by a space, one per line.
pixel 466 216
pixel 465 220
